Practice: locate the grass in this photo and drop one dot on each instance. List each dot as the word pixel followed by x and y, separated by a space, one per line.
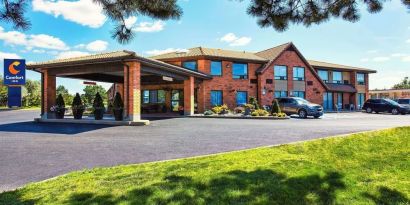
pixel 365 168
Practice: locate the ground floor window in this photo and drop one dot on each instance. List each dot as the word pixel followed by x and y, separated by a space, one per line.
pixel 279 94
pixel 300 94
pixel 339 103
pixel 241 97
pixel 216 97
pixel 177 99
pixel 360 100
pixel 153 96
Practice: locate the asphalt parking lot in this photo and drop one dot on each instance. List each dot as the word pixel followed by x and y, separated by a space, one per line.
pixel 32 152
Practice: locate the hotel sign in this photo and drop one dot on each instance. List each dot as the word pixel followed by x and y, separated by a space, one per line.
pixel 165 78
pixel 14 72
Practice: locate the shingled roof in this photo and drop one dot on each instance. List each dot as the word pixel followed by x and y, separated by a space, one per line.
pixel 273 53
pixel 320 64
pixel 211 52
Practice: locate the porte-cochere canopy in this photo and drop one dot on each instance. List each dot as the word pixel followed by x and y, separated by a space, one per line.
pixel 120 67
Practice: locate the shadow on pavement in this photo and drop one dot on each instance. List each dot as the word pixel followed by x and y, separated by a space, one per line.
pixel 51 128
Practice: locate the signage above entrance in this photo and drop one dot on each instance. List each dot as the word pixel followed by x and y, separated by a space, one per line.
pixel 14 72
pixel 167 78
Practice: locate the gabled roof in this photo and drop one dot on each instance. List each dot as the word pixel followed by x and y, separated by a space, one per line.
pixel 115 55
pixel 273 53
pixel 320 64
pixel 211 52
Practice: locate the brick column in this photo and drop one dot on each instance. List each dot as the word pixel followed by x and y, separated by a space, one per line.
pixel 189 96
pixel 49 92
pixel 134 91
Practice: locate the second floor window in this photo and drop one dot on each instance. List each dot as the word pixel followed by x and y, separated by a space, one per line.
pixel 281 72
pixel 298 73
pixel 216 68
pixel 191 65
pixel 337 77
pixel 240 71
pixel 324 75
pixel 360 79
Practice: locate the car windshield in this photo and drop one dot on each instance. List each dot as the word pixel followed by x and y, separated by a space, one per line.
pixel 301 101
pixel 392 102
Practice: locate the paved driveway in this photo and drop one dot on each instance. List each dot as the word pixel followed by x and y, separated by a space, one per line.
pixel 32 152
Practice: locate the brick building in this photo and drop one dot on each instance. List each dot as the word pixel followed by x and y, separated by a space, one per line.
pixel 275 72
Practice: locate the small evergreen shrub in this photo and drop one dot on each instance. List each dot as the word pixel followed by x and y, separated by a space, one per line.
pixel 254 102
pixel 60 101
pixel 275 107
pixel 77 102
pixel 118 103
pixel 223 109
pixel 260 112
pixel 98 102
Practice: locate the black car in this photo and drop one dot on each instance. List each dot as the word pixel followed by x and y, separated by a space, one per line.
pixel 404 101
pixel 300 106
pixel 385 105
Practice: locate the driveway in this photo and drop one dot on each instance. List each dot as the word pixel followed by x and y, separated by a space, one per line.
pixel 32 152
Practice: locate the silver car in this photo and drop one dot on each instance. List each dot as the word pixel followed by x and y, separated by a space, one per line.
pixel 300 106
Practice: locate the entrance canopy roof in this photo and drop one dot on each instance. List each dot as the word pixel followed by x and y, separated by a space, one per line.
pixel 109 67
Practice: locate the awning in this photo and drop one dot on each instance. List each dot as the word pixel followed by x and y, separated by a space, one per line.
pixel 344 88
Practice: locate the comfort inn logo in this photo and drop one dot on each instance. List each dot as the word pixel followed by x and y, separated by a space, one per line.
pixel 14 72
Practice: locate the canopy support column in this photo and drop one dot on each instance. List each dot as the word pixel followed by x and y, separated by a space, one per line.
pixel 48 83
pixel 189 90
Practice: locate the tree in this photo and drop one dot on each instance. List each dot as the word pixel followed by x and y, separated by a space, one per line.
pixel 32 93
pixel 3 93
pixel 404 84
pixel 89 94
pixel 68 98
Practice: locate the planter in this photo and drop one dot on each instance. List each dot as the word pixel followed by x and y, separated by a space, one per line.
pixel 60 113
pixel 78 113
pixel 181 112
pixel 99 113
pixel 118 114
pixel 247 112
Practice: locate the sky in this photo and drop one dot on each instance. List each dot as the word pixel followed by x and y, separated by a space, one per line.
pixel 70 28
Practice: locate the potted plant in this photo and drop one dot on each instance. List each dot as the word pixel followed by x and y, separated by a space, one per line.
pixel 275 108
pixel 181 110
pixel 59 108
pixel 98 107
pixel 254 102
pixel 118 107
pixel 77 107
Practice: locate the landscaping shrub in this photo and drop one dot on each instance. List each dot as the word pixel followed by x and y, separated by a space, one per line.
pixel 239 110
pixel 77 107
pixel 223 109
pixel 260 112
pixel 60 107
pixel 118 107
pixel 208 112
pixel 98 107
pixel 275 107
pixel 254 102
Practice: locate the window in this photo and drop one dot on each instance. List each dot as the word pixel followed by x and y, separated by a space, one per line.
pixel 300 94
pixel 279 94
pixel 240 71
pixel 241 97
pixel 360 79
pixel 324 75
pixel 337 77
pixel 216 98
pixel 298 73
pixel 153 96
pixel 216 68
pixel 191 65
pixel 281 72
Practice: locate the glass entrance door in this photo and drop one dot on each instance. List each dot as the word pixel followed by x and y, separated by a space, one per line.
pixel 339 101
pixel 177 99
pixel 328 101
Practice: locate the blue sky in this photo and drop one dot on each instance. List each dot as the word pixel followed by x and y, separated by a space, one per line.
pixel 68 28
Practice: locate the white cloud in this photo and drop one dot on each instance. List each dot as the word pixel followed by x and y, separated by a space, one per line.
pixel 408 41
pixel 168 50
pixel 83 12
pixel 398 55
pixel 4 55
pixel 97 46
pixel 372 51
pixel 364 60
pixel 406 58
pixel 149 26
pixel 381 59
pixel 71 54
pixel 130 21
pixel 233 40
pixel 80 46
pixel 32 41
pixel 39 51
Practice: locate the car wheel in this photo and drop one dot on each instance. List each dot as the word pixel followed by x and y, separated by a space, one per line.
pixel 302 114
pixel 394 111
pixel 369 110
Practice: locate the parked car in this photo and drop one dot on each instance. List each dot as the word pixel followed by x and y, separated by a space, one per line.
pixel 385 105
pixel 300 106
pixel 404 101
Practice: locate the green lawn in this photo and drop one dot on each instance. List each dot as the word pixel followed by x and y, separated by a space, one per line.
pixel 368 168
